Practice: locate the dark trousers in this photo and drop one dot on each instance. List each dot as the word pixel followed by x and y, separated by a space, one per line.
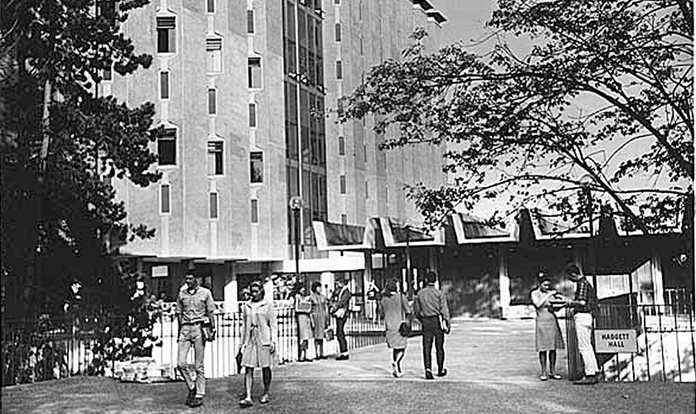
pixel 431 330
pixel 341 335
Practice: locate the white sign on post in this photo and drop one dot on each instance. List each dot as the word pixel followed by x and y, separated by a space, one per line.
pixel 611 341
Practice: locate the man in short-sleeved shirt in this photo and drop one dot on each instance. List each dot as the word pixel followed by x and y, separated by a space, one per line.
pixel 431 305
pixel 585 304
pixel 194 308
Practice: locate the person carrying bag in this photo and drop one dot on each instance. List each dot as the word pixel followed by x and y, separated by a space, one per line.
pixel 431 309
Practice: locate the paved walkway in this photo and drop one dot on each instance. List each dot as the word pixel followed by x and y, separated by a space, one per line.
pixel 477 350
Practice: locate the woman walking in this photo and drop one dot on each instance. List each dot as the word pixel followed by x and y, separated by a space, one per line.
pixel 258 342
pixel 320 318
pixel 394 308
pixel 303 310
pixel 548 333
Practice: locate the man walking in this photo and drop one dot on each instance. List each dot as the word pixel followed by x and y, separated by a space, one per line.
pixel 430 307
pixel 339 309
pixel 585 304
pixel 194 309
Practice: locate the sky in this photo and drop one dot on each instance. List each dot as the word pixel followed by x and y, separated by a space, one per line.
pixel 465 19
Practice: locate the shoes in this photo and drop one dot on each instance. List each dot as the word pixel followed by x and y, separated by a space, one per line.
pixel 442 372
pixel 555 376
pixel 265 399
pixel 342 357
pixel 587 380
pixel 191 396
pixel 429 374
pixel 246 402
pixel 197 402
pixel 395 370
pixel 543 377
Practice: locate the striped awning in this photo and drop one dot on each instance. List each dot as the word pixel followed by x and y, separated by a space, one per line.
pixel 399 233
pixel 343 237
pixel 474 230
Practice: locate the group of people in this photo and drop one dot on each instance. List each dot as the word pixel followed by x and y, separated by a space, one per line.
pixel 195 309
pixel 548 333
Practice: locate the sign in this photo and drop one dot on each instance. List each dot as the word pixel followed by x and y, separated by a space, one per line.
pixel 610 341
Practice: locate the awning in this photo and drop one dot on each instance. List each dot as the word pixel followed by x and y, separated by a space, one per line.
pixel 471 230
pixel 398 233
pixel 343 237
pixel 552 226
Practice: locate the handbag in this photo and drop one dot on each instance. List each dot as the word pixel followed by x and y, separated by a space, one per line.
pixel 238 360
pixel 329 334
pixel 404 326
pixel 208 333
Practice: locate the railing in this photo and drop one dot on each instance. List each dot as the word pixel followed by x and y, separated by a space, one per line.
pixel 665 341
pixel 31 354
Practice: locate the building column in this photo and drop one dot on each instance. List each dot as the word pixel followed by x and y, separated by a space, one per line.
pixel 230 291
pixel 504 281
pixel 656 276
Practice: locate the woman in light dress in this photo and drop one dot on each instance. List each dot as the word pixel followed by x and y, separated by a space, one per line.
pixel 394 308
pixel 303 310
pixel 320 318
pixel 258 342
pixel 548 332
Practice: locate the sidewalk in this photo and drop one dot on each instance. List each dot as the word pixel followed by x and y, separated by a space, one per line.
pixel 492 365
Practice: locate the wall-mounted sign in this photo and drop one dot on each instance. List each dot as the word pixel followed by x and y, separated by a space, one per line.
pixel 610 341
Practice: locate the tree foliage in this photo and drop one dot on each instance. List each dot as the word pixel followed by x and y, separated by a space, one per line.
pixel 602 101
pixel 62 144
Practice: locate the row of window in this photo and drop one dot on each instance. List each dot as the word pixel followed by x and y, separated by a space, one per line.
pixel 215 65
pixel 342 186
pixel 213 204
pixel 166 150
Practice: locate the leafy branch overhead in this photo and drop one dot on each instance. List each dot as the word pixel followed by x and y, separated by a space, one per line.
pixel 601 100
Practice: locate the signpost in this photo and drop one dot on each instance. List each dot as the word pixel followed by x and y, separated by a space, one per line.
pixel 613 341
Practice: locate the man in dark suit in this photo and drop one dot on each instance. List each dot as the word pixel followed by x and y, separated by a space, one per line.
pixel 430 307
pixel 339 310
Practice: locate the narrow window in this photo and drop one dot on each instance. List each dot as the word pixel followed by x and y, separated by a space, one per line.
pixel 254 73
pixel 213 205
pixel 213 48
pixel 342 184
pixel 339 69
pixel 164 85
pixel 212 101
pixel 210 6
pixel 166 147
pixel 215 158
pixel 361 46
pixel 338 32
pixel 107 74
pixel 250 22
pixel 341 146
pixel 367 189
pixel 365 154
pixel 166 35
pixel 164 199
pixel 252 115
pixel 344 219
pixel 337 1
pixel 254 211
pixel 256 166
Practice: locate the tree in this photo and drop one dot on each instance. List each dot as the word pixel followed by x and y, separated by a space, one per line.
pixel 62 145
pixel 610 78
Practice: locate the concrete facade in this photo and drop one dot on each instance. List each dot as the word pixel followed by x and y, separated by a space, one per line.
pixel 219 221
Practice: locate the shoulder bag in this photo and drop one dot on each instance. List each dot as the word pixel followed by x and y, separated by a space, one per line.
pixel 404 326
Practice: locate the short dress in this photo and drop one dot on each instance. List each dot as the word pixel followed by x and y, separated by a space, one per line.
pixel 395 308
pixel 304 323
pixel 256 355
pixel 320 313
pixel 548 332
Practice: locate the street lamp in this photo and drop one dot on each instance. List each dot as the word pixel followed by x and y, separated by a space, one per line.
pixel 296 206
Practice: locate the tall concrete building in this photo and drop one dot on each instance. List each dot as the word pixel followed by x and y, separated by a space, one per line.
pixel 247 92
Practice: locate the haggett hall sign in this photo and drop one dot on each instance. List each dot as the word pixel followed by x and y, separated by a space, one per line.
pixel 612 341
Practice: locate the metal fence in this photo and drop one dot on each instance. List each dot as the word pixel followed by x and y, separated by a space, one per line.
pixel 34 353
pixel 665 341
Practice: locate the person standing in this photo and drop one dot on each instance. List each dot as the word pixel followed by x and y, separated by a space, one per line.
pixel 548 333
pixel 585 305
pixel 305 332
pixel 395 310
pixel 320 316
pixel 430 307
pixel 194 309
pixel 258 342
pixel 339 309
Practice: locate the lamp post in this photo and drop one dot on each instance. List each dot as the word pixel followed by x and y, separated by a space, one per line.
pixel 296 207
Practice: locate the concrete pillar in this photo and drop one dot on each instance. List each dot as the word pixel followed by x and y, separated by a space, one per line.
pixel 657 281
pixel 503 281
pixel 230 290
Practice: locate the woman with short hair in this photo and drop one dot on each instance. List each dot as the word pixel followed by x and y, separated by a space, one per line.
pixel 320 318
pixel 548 332
pixel 258 341
pixel 394 308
